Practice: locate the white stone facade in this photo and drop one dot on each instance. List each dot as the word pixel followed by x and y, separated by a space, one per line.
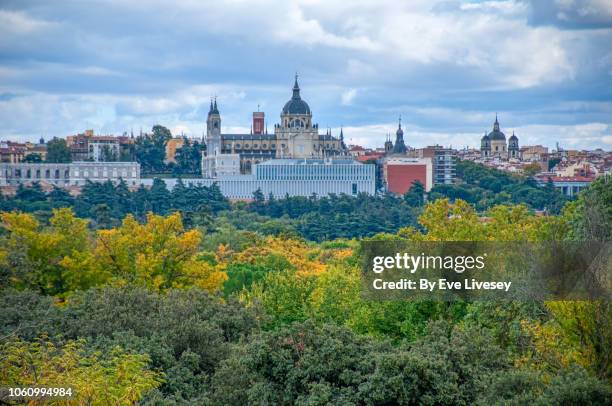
pixel 69 174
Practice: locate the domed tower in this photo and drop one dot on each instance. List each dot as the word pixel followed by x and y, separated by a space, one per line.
pixel 485 146
pixel 296 136
pixel 399 147
pixel 513 146
pixel 498 141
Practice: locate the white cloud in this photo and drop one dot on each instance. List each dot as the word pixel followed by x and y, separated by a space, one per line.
pixel 348 96
pixel 15 22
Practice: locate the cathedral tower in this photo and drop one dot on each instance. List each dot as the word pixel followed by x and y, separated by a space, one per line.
pixel 213 129
pixel 399 147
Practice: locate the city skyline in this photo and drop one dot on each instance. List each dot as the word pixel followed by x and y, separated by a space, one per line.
pixel 545 69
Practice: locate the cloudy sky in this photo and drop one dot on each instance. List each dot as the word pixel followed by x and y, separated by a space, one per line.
pixel 545 66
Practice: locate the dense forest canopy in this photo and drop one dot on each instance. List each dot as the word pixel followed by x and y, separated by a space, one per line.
pixel 181 297
pixel 316 219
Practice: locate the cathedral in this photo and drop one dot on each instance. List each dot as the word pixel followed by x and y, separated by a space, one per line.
pixel 494 144
pixel 296 136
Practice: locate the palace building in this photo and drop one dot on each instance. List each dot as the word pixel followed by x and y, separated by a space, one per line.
pixel 296 136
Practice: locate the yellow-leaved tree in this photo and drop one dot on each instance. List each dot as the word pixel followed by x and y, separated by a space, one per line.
pixel 303 257
pixel 55 259
pixel 159 254
pixel 578 332
pixel 118 378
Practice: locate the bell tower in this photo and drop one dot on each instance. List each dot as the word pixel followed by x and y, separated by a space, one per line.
pixel 213 122
pixel 213 129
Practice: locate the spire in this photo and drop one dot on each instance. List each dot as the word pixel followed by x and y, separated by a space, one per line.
pixel 215 108
pixel 296 88
pixel 496 124
pixel 341 134
pixel 399 147
pixel 211 106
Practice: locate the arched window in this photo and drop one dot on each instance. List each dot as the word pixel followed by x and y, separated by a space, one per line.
pixel 48 173
pixel 57 174
pixel 296 124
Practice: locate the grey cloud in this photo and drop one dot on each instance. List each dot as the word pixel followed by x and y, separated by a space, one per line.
pixel 573 14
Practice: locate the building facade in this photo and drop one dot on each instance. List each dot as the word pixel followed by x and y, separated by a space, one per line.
pixel 443 163
pixel 100 148
pixel 296 136
pixel 69 174
pixel 399 173
pixel 292 177
pixel 15 152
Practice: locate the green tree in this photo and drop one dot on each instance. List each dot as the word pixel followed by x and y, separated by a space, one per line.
pixel 189 158
pixel 32 158
pixel 415 196
pixel 58 151
pixel 150 149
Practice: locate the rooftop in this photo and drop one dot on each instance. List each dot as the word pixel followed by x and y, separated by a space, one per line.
pixel 310 161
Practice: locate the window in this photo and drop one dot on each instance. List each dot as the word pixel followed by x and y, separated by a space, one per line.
pixel 354 188
pixel 296 124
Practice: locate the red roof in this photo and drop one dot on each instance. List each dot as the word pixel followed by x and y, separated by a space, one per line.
pixel 369 157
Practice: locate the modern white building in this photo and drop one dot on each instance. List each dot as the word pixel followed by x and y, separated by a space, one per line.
pixel 220 165
pixel 293 177
pixel 69 174
pixel 104 149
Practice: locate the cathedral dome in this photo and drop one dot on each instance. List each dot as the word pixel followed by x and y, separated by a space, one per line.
pixel 496 134
pixel 296 105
